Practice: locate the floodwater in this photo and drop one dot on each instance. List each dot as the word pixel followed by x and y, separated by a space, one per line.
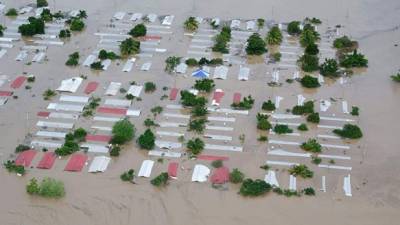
pixel 102 199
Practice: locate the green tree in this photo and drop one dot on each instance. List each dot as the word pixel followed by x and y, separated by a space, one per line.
pixel 254 187
pixel 268 105
pixel 354 59
pixel 33 187
pixel 282 129
pixel 205 85
pixel 171 63
pixel 306 108
pixel 293 28
pixel 274 36
pixel 313 117
pixel 309 63
pixel 160 180
pixel 329 68
pixel 396 77
pixel 255 45
pixel 149 87
pixel 35 26
pixel 236 176
pixel 138 31
pixel 195 146
pixel 344 42
pixel 197 125
pixel 311 145
pixel 77 25
pixel 12 12
pixel 309 82
pixel 311 49
pixel 51 188
pixel 129 47
pixel 191 24
pixel 308 37
pixel 262 122
pixel 302 127
pixel 349 131
pixel 122 131
pixel 41 3
pixel 191 62
pixel 302 171
pixel 147 140
pixel 128 176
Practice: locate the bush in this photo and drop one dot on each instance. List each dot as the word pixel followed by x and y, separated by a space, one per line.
pixel 149 122
pixel 115 150
pixel 188 99
pixel 329 68
pixel 302 127
pixel 316 160
pixel 96 66
pixel 12 168
pixel 12 12
pixel 262 138
pixel 149 87
pixel 355 111
pixel 129 47
pixel 309 191
pixel 191 62
pixel 33 187
pixel 191 24
pixel 246 103
pixel 262 122
pixel 313 20
pixel 80 134
pixel 313 118
pixel 282 129
pixel 255 45
pixel 277 56
pixel 51 188
pixel 308 37
pixel 160 180
pixel 199 111
pixel 353 60
pixel 309 82
pixel 302 171
pixel 274 36
pixel 195 146
pixel 146 140
pixel 349 131
pixel 64 33
pixel 48 94
pixel 73 59
pixel 35 26
pixel 46 15
pixel 311 146
pixel 311 49
pixel 216 62
pixel 309 63
pixel 221 41
pixel 122 131
pixel 103 54
pixel 41 3
pixel 260 23
pixel 396 77
pixel 293 28
pixel 69 147
pixel 128 176
pixel 156 110
pixel 205 85
pixel 268 106
pixel 171 62
pixel 306 108
pixel 344 42
pixel 21 148
pixel 197 125
pixel 217 163
pixel 76 25
pixel 254 188
pixel 138 31
pixel 236 176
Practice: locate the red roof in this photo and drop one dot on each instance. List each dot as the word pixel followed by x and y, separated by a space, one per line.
pixel 47 161
pixel 212 157
pixel 91 87
pixel 173 169
pixel 99 138
pixel 220 175
pixel 25 158
pixel 17 83
pixel 218 96
pixel 110 110
pixel 76 162
pixel 6 93
pixel 173 93
pixel 43 114
pixel 237 97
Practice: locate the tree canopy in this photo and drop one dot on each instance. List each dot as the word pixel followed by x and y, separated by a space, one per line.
pixel 147 140
pixel 195 146
pixel 138 31
pixel 129 47
pixel 122 132
pixel 274 36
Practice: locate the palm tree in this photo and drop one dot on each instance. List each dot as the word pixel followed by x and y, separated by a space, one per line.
pixel 191 24
pixel 274 36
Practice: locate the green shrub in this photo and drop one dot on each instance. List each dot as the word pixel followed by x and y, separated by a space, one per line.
pixel 129 47
pixel 215 62
pixel 197 125
pixel 309 82
pixel 308 191
pixel 46 15
pixel 192 62
pixel 217 163
pixel 41 3
pixel 282 129
pixel 205 85
pixel 254 187
pixel 353 60
pixel 195 146
pixel 349 131
pixel 76 25
pixel 329 68
pixel 12 168
pixel 221 41
pixel 189 100
pixel 246 103
pixel 309 63
pixel 396 77
pixel 160 180
pixel 302 127
pixel 344 42
pixel 277 56
pixel 12 12
pixel 35 26
pixel 302 171
pixel 355 111
pixel 260 23
pixel 73 59
pixel 293 28
pixel 191 24
pixel 138 31
pixel 307 108
pixel 149 123
pixel 316 160
pixel 274 36
pixel 236 176
pixel 150 87
pixel 171 62
pixel 103 54
pixel 311 145
pixel 128 176
pixel 21 148
pixel 156 110
pixel 262 122
pixel 313 118
pixel 51 188
pixel 80 134
pixel 122 131
pixel 268 106
pixel 115 150
pixel 262 138
pixel 198 111
pixel 265 167
pixel 255 45
pixel 33 187
pixel 147 140
pixel 311 49
pixel 96 66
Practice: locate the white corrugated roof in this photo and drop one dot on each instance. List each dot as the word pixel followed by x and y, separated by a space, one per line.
pixel 145 169
pixel 99 164
pixel 200 173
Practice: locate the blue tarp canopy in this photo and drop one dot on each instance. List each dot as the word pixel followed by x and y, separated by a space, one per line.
pixel 200 74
